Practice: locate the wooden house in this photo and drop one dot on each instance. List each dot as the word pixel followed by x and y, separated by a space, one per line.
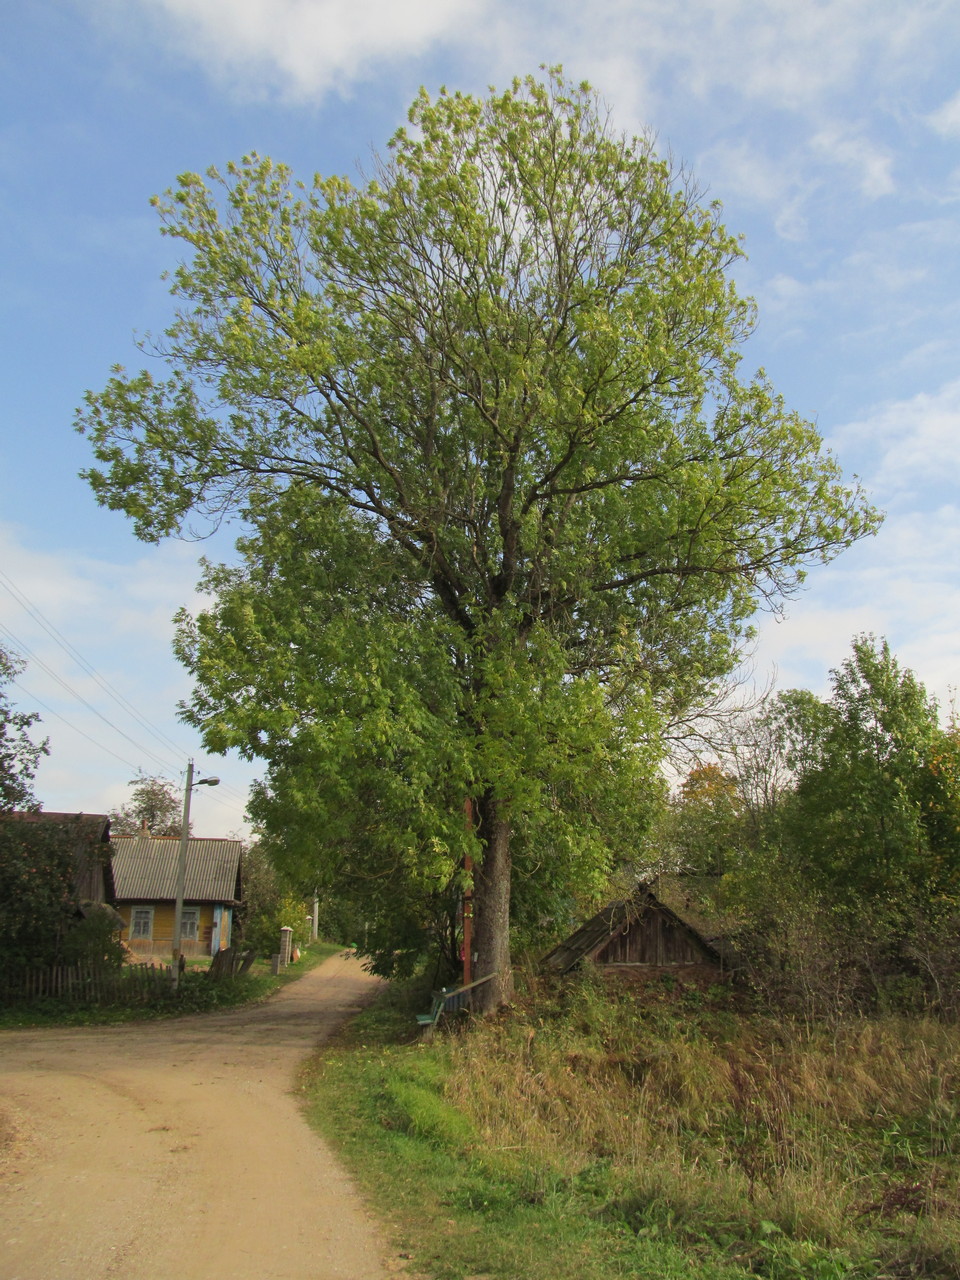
pixel 639 933
pixel 145 877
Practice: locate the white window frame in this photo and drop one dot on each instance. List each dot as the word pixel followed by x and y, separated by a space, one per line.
pixel 190 924
pixel 138 917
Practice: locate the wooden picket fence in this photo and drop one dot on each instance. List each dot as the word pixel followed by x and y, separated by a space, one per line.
pixel 87 984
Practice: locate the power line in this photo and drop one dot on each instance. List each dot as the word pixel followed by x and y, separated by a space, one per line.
pixel 89 705
pixel 78 657
pixel 76 729
pixel 104 684
pixel 101 747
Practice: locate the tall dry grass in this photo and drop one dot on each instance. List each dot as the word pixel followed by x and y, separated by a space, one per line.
pixel 678 1108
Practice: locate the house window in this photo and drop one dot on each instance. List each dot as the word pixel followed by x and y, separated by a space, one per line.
pixel 190 923
pixel 141 922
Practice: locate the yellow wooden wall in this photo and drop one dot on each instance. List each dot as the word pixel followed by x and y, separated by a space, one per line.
pixel 162 941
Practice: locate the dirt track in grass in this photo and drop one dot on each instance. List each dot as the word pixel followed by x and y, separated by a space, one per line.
pixel 178 1148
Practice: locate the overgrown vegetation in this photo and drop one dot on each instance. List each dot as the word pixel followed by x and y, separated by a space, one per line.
pixel 38 898
pixel 825 839
pixel 270 903
pixel 660 1132
pixel 19 754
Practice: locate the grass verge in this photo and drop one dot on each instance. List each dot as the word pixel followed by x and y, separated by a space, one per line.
pixel 666 1133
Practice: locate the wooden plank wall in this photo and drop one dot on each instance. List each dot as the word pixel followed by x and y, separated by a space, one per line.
pixel 652 940
pixel 162 940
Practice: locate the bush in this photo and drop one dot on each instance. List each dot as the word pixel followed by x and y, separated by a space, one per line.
pixel 262 931
pixel 37 898
pixel 94 940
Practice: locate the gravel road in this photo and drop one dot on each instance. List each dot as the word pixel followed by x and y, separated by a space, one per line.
pixel 178 1149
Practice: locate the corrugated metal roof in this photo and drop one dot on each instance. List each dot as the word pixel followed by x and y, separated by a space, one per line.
pixel 145 869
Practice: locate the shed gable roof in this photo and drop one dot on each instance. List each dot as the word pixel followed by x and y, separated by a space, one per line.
pixel 587 941
pixel 145 869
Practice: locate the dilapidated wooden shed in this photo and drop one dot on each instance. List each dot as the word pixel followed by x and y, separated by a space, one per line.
pixel 637 932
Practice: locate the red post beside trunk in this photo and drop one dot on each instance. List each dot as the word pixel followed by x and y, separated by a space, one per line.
pixel 468 900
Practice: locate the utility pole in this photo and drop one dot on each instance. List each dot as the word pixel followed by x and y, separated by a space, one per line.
pixel 182 865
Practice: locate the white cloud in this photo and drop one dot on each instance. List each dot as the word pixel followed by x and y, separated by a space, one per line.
pixel 946 119
pixel 304 48
pixel 884 273
pixel 912 446
pixel 792 303
pixel 785 55
pixel 870 165
pixel 748 170
pixel 782 55
pixel 902 585
pixel 791 222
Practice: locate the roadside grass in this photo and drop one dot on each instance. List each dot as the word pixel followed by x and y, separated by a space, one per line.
pixel 601 1131
pixel 196 994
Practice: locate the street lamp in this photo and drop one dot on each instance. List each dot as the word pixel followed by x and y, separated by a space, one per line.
pixel 182 864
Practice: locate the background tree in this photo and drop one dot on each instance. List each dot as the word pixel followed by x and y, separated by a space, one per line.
pixel 846 878
pixel 270 902
pixel 154 801
pixel 506 369
pixel 704 822
pixel 39 908
pixel 939 792
pixel 875 785
pixel 19 756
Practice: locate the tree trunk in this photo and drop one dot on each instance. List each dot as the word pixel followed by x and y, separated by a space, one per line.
pixel 491 909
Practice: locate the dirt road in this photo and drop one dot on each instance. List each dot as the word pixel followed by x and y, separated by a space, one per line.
pixel 177 1148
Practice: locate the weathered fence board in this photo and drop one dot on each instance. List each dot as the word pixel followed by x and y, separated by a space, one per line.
pixel 86 984
pixel 230 963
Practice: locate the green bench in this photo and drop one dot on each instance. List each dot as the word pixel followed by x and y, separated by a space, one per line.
pixel 430 1019
pixel 449 1000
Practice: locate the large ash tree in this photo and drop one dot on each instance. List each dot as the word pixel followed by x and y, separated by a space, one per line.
pixel 510 501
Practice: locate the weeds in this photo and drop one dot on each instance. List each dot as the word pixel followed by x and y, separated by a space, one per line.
pixel 657 1134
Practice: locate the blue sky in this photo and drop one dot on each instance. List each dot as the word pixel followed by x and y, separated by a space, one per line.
pixel 830 132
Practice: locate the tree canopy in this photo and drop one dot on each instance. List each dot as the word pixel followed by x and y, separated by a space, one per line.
pixel 155 804
pixel 876 807
pixel 511 502
pixel 19 755
pixel 700 831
